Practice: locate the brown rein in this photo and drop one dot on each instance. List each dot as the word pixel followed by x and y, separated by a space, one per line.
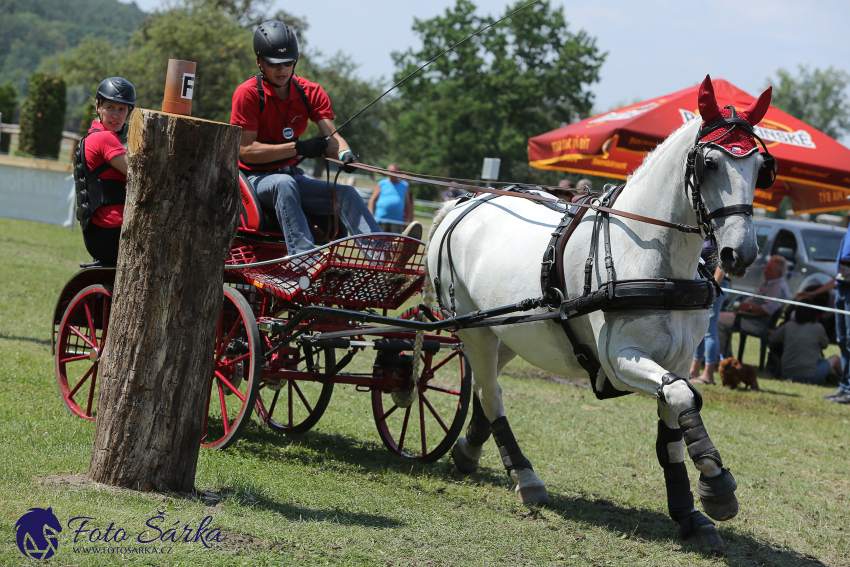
pixel 438 181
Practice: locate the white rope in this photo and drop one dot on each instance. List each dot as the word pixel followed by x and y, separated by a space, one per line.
pixel 788 301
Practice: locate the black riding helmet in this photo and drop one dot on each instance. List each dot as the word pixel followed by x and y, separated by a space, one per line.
pixel 117 89
pixel 275 42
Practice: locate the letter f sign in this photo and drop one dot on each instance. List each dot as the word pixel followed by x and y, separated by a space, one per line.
pixel 188 86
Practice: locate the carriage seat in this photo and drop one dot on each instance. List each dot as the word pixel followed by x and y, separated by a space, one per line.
pixel 256 217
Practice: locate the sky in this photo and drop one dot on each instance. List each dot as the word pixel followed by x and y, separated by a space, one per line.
pixel 655 47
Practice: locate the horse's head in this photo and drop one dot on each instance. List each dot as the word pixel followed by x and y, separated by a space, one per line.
pixel 723 169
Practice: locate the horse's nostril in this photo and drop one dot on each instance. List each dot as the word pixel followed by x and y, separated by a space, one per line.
pixel 728 256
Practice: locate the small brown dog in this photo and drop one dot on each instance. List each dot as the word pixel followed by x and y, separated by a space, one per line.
pixel 732 373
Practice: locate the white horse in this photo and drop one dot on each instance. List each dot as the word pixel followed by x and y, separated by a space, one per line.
pixel 496 255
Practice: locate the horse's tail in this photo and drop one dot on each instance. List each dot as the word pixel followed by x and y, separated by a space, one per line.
pixel 429 295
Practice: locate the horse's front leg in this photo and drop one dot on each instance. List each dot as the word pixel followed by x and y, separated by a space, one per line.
pixel 488 356
pixel 679 405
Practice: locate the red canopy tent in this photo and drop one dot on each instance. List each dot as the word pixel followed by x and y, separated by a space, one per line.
pixel 814 169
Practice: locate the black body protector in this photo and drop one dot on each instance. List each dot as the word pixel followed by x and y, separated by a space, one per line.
pixel 92 191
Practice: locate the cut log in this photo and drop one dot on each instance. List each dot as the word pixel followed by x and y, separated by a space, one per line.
pixel 179 219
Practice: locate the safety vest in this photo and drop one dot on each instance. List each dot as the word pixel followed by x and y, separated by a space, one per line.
pixel 93 192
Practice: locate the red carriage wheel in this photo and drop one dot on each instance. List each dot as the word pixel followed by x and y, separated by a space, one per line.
pixel 79 346
pixel 427 429
pixel 236 374
pixel 294 400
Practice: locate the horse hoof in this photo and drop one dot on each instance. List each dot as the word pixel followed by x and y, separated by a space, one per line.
pixel 721 509
pixel 529 488
pixel 707 536
pixel 465 456
pixel 717 495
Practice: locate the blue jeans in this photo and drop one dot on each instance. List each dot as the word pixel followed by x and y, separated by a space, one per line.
pixel 290 196
pixel 842 334
pixel 708 349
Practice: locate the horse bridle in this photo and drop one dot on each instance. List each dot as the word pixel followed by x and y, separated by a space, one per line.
pixel 697 164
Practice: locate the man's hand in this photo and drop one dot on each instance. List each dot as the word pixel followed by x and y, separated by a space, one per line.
pixel 311 148
pixel 348 157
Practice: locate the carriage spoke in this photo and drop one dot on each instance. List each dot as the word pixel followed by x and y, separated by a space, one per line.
pixel 422 426
pixel 82 336
pixel 80 383
pixel 387 414
pixel 289 391
pixel 444 361
pixel 442 390
pixel 74 359
pixel 274 403
pixel 434 413
pixel 226 341
pixel 91 387
pixel 223 409
pixel 403 430
pixel 301 395
pixel 221 377
pixel 87 305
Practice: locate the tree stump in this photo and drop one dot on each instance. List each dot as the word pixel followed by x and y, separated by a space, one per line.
pixel 179 219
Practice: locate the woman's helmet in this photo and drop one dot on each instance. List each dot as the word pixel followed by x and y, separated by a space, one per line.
pixel 275 42
pixel 117 89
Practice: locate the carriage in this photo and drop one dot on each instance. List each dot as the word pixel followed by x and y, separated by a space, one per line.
pixel 273 358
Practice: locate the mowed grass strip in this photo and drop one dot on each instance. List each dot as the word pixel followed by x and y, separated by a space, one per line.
pixel 336 496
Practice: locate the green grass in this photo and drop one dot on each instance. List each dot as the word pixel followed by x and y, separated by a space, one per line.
pixel 335 496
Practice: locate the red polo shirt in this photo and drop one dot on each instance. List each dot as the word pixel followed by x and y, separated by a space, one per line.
pixel 100 148
pixel 277 114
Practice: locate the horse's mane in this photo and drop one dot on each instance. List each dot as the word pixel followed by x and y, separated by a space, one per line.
pixel 672 144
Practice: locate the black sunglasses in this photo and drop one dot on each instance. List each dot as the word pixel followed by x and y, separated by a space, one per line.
pixel 286 64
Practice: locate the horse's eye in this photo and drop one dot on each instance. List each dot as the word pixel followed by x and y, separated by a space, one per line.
pixel 711 162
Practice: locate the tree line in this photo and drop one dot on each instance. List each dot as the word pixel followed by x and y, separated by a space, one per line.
pixel 527 75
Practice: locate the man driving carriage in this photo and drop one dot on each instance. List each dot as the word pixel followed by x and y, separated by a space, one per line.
pixel 273 108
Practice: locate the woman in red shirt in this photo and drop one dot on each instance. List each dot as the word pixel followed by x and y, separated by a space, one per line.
pixel 102 209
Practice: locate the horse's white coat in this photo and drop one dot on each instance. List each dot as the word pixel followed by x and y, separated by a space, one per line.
pixel 497 251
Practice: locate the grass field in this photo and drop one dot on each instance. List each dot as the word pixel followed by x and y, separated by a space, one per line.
pixel 335 496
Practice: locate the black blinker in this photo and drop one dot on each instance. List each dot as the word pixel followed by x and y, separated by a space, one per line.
pixel 767 172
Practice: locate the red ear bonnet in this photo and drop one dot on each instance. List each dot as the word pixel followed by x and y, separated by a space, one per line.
pixel 708 107
pixel 756 111
pixel 735 141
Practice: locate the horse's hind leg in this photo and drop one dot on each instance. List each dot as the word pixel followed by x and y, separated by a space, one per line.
pixel 480 346
pixel 488 417
pixel 679 404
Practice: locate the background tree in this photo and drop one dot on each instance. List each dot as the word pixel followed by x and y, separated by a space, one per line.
pixel 8 106
pixel 41 116
pixel 818 98
pixel 527 75
pixel 32 31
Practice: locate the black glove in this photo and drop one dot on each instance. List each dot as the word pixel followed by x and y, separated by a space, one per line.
pixel 349 157
pixel 311 148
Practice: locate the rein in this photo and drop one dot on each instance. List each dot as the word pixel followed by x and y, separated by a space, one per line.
pixel 595 204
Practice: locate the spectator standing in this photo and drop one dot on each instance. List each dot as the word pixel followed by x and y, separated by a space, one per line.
pixel 584 185
pixel 802 341
pixel 708 350
pixel 761 309
pixel 392 201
